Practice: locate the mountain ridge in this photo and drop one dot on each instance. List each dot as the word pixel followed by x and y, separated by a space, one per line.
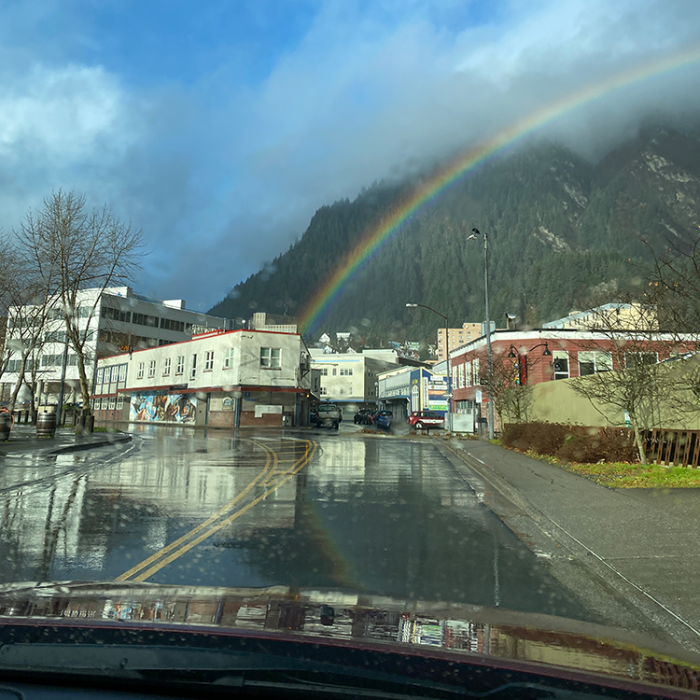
pixel 558 226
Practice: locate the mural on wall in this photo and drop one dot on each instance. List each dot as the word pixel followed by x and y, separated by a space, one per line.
pixel 158 406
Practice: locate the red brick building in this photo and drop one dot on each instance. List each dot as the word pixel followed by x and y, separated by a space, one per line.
pixel 547 355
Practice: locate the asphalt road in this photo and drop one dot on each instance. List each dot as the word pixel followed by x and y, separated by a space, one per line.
pixel 314 509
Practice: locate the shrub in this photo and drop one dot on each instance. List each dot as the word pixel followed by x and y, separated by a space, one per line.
pixel 574 443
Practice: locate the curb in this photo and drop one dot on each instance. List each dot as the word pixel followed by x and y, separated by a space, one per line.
pixel 563 554
pixel 104 442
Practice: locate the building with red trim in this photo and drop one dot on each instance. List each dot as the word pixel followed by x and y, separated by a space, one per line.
pixel 222 379
pixel 551 354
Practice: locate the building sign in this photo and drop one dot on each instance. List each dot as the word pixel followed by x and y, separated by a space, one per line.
pixel 162 407
pixel 227 404
pixel 437 399
pixel 262 409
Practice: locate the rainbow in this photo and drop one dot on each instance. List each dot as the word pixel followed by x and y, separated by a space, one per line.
pixel 391 223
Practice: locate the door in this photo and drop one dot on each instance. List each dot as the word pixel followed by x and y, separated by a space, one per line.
pixel 202 414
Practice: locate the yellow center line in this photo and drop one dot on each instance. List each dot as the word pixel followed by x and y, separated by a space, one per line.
pixel 220 525
pixel 270 463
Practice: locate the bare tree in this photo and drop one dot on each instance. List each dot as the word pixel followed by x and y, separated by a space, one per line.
pixel 78 249
pixel 508 385
pixel 629 379
pixel 25 305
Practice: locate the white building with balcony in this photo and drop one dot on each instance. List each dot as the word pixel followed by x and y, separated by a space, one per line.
pixel 221 379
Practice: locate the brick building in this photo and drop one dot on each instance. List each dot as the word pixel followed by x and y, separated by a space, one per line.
pixel 552 354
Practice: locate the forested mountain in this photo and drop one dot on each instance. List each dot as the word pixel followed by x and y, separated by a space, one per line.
pixel 558 226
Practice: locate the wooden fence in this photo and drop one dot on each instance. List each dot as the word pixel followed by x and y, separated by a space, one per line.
pixel 680 448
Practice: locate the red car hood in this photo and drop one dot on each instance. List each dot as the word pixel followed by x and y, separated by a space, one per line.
pixel 464 632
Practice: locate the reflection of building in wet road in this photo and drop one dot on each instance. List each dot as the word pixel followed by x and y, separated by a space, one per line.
pixel 385 517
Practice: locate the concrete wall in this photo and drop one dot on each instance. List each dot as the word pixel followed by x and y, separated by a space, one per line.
pixel 558 402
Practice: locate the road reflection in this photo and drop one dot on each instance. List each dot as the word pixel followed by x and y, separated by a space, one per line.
pixel 385 517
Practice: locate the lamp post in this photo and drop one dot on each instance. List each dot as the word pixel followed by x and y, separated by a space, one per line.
pixel 514 353
pixel 489 360
pixel 447 356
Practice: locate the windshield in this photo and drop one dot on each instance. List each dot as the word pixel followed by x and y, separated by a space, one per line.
pixel 367 305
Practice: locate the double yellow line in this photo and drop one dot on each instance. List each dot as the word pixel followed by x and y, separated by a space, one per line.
pixel 210 526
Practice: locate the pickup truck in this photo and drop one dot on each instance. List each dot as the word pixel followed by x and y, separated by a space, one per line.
pixel 328 416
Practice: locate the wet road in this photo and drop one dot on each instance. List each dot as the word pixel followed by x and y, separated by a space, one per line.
pixel 341 511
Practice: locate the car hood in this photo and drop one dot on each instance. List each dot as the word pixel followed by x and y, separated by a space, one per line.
pixel 472 633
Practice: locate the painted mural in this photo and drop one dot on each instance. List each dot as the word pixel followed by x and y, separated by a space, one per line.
pixel 159 406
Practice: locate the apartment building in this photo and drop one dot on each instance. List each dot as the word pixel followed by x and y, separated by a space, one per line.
pixel 457 337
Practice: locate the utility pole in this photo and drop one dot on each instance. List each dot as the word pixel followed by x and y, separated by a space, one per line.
pixel 489 359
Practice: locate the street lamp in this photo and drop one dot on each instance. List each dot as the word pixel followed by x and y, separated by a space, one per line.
pixel 447 357
pixel 489 359
pixel 514 353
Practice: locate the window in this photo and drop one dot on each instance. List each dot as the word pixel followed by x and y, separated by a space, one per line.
pixel 209 361
pixel 335 371
pixel 116 314
pixel 592 362
pixel 55 337
pixel 324 371
pixel 145 320
pixel 112 403
pixel 166 367
pixel 468 374
pixel 122 376
pixel 560 364
pixel 477 372
pixel 120 403
pixel 99 376
pixel 347 372
pixel 180 364
pixel 634 359
pixel 460 383
pixel 454 376
pixel 270 357
pixel 140 372
pixel 228 359
pixel 324 391
pixel 193 368
pixel 152 368
pixel 172 325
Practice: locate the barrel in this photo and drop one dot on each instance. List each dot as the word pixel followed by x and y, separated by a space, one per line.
pixel 46 425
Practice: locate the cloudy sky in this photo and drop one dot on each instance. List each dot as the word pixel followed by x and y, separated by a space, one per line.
pixel 219 126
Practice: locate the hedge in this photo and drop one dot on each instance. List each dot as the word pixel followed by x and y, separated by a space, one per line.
pixel 572 443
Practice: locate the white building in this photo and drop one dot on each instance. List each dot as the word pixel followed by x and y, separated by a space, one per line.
pixel 350 379
pixel 118 319
pixel 221 379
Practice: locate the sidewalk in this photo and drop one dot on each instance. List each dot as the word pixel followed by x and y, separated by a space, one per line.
pixel 23 440
pixel 641 542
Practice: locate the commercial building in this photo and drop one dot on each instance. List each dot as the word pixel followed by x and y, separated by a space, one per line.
pixel 551 354
pixel 350 379
pixel 406 389
pixel 220 379
pixel 457 338
pixel 115 319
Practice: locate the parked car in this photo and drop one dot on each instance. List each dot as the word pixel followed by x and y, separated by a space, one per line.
pixel 361 416
pixel 313 415
pixel 383 419
pixel 421 420
pixel 328 416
